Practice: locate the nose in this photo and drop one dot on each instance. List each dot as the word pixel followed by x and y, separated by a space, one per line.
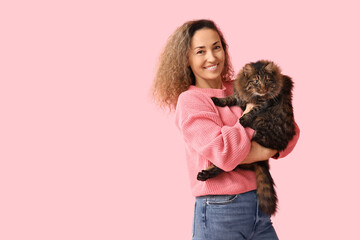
pixel 263 90
pixel 211 56
pixel 262 87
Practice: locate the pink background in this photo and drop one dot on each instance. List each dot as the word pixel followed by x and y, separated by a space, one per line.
pixel 85 154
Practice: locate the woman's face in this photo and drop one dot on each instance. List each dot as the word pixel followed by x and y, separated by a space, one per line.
pixel 207 57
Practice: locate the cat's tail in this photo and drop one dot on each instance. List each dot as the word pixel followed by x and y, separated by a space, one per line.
pixel 265 188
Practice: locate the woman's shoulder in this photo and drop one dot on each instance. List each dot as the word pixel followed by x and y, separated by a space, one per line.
pixel 192 95
pixel 192 101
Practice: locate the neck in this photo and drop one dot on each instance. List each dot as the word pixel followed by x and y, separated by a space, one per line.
pixel 209 84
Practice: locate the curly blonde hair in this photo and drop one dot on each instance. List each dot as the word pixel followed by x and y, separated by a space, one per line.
pixel 174 74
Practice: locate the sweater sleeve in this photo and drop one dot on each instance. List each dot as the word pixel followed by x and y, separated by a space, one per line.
pixel 203 130
pixel 291 145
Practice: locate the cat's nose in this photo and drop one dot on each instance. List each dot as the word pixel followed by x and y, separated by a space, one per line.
pixel 263 91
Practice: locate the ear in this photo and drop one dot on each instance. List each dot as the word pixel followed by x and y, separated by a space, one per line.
pixel 248 70
pixel 270 67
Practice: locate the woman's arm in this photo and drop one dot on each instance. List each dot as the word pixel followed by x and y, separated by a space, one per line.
pixel 204 132
pixel 291 145
pixel 258 153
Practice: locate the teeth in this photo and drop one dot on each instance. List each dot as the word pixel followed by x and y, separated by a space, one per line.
pixel 212 67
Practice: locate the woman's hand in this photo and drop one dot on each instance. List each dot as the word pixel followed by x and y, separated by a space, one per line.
pixel 258 153
pixel 249 106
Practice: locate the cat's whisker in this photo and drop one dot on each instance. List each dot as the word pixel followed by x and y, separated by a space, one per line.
pixel 273 97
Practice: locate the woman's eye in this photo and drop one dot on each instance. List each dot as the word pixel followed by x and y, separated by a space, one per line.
pixel 217 47
pixel 200 52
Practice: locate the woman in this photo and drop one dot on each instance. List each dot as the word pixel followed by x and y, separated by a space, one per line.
pixel 194 67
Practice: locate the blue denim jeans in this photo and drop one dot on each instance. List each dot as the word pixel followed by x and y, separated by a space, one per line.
pixel 227 217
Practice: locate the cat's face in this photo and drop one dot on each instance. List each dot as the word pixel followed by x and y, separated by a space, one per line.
pixel 261 80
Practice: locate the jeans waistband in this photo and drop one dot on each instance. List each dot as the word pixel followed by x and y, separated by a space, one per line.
pixel 223 195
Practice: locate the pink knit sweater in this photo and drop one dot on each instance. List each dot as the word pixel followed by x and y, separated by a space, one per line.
pixel 214 135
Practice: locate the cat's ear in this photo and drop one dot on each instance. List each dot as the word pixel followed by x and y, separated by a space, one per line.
pixel 272 68
pixel 248 70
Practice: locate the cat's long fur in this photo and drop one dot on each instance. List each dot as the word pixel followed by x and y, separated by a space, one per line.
pixel 262 84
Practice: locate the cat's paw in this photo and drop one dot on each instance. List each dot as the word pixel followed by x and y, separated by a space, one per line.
pixel 216 101
pixel 203 175
pixel 245 121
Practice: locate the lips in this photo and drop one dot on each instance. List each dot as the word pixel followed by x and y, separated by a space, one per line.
pixel 212 67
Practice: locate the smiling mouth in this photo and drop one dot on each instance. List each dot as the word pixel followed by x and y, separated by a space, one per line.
pixel 212 67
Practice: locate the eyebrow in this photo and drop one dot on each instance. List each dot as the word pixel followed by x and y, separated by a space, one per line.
pixel 204 46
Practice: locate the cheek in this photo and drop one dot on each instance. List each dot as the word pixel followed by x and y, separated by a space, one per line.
pixel 251 86
pixel 253 90
pixel 270 87
pixel 192 64
pixel 222 56
pixel 222 60
pixel 196 62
